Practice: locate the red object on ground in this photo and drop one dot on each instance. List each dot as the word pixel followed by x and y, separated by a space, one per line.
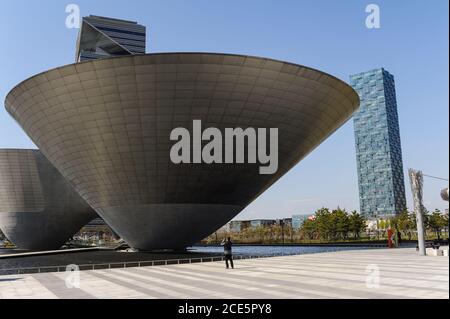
pixel 390 234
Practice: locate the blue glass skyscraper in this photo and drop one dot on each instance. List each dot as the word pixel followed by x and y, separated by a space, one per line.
pixel 378 147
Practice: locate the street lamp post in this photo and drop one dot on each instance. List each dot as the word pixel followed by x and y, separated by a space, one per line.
pixel 416 180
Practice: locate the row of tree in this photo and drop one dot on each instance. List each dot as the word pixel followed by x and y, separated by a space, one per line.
pixel 405 223
pixel 268 234
pixel 326 225
pixel 334 225
pixel 337 225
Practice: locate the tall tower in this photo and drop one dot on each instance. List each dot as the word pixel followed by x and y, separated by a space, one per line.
pixel 378 147
pixel 102 37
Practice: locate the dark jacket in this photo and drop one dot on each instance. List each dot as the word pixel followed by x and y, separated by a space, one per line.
pixel 227 247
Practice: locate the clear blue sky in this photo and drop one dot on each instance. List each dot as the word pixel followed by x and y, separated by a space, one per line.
pixel 412 44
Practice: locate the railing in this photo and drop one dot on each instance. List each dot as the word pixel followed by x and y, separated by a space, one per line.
pixel 127 264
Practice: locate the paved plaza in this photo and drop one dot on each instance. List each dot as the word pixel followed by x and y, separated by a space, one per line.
pixel 371 273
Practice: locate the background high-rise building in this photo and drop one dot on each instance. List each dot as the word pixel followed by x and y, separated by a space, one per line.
pixel 378 147
pixel 102 37
pixel 298 220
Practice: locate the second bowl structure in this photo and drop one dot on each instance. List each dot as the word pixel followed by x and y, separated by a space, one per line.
pixel 39 210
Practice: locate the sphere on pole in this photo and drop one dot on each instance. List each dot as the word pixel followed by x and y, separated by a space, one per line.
pixel 444 194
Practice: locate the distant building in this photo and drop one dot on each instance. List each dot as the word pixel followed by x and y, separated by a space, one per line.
pixel 238 225
pixel 96 222
pixel 234 226
pixel 262 222
pixel 102 37
pixel 97 228
pixel 378 147
pixel 371 224
pixel 285 221
pixel 298 220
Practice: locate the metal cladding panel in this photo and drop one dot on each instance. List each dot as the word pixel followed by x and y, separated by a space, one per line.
pixel 105 125
pixel 38 208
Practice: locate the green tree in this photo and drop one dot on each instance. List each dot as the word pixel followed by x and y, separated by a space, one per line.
pixel 357 224
pixel 309 228
pixel 260 233
pixel 445 217
pixel 401 222
pixel 436 221
pixel 288 233
pixel 339 223
pixel 325 228
pixel 411 225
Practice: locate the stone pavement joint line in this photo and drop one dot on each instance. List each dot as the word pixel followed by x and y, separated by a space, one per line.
pixel 345 274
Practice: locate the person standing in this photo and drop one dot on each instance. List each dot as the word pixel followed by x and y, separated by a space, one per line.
pixel 227 251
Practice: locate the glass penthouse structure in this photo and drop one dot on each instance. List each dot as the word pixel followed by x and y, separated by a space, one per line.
pixel 102 37
pixel 378 147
